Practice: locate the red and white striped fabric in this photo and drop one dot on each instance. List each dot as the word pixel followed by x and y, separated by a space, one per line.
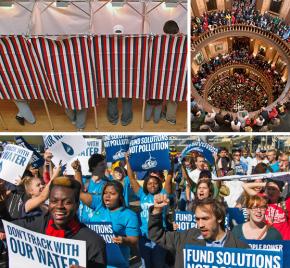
pixel 19 76
pixel 168 68
pixel 69 69
pixel 121 65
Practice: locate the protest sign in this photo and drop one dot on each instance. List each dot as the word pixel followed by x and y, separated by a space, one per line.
pixel 114 255
pixel 273 245
pixel 186 220
pixel 30 249
pixel 13 162
pixel 36 160
pixel 201 147
pixel 64 147
pixel 93 146
pixel 116 146
pixel 149 153
pixel 211 257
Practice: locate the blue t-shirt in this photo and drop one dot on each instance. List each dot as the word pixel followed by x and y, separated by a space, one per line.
pixel 95 188
pixel 128 193
pixel 146 201
pixel 275 167
pixel 124 222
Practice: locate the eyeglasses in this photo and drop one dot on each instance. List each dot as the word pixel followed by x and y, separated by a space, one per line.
pixel 257 208
pixel 237 155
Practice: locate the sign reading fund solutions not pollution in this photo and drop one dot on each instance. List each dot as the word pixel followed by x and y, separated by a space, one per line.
pixel 116 147
pixel 203 148
pixel 93 146
pixel 114 255
pixel 36 160
pixel 64 148
pixel 13 162
pixel 149 153
pixel 210 257
pixel 30 249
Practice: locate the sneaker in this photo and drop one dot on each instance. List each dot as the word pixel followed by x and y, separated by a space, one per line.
pixel 20 120
pixel 73 122
pixel 171 122
pixel 163 116
pixel 80 129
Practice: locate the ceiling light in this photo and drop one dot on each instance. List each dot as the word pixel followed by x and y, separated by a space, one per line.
pixel 6 3
pixel 117 3
pixel 62 3
pixel 171 3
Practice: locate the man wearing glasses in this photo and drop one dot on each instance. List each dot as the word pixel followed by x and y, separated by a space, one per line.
pixel 239 166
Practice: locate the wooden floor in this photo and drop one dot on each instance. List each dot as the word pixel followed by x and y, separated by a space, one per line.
pixel 8 111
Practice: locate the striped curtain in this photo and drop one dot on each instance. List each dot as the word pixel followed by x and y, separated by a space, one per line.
pixel 121 65
pixel 168 75
pixel 68 67
pixel 75 72
pixel 20 74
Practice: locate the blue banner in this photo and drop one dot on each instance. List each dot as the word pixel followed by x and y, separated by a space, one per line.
pixel 237 215
pixel 273 245
pixel 36 160
pixel 116 147
pixel 114 254
pixel 210 257
pixel 186 220
pixel 149 153
pixel 201 147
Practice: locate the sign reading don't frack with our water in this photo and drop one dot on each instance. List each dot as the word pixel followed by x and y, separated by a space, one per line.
pixel 149 153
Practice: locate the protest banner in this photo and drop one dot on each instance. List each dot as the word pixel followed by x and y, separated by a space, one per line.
pixel 203 148
pixel 186 220
pixel 149 153
pixel 30 249
pixel 64 148
pixel 93 146
pixel 273 245
pixel 36 160
pixel 116 146
pixel 211 257
pixel 13 162
pixel 114 255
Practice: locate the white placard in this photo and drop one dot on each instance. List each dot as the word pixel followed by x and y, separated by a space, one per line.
pixel 64 148
pixel 30 249
pixel 13 162
pixel 94 146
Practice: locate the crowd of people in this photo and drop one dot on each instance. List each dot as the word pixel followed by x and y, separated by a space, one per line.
pixel 109 194
pixel 243 12
pixel 237 92
pixel 240 56
pixel 264 121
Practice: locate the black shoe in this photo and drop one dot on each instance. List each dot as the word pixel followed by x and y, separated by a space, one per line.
pixel 20 120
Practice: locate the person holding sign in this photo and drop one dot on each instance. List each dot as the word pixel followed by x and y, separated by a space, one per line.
pixel 97 166
pixel 37 194
pixel 255 228
pixel 61 220
pixel 110 207
pixel 152 255
pixel 210 218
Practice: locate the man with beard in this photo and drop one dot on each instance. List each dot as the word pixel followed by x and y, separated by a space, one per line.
pixel 61 220
pixel 210 218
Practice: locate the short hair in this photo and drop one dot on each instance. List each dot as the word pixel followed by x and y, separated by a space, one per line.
pixel 170 27
pixel 66 182
pixel 119 189
pixel 205 174
pixel 94 160
pixel 146 182
pixel 272 151
pixel 26 182
pixel 217 207
pixel 255 199
pixel 209 185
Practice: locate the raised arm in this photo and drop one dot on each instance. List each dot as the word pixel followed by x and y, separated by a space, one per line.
pixel 156 230
pixel 249 187
pixel 169 177
pixel 135 185
pixel 86 198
